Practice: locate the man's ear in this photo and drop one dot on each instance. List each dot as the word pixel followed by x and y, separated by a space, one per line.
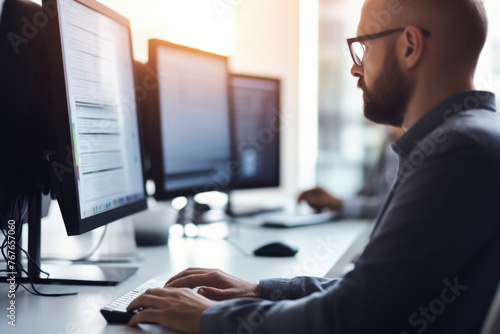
pixel 414 46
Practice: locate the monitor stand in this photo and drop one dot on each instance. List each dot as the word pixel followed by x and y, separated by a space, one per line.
pixel 247 211
pixel 197 214
pixel 73 274
pixel 189 214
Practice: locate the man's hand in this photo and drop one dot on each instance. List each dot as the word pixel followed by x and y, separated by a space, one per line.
pixel 178 309
pixel 320 199
pixel 214 284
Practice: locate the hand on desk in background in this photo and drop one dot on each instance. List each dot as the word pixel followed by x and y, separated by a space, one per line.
pixel 178 309
pixel 319 199
pixel 214 284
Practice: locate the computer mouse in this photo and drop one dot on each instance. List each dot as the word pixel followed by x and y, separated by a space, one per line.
pixel 276 249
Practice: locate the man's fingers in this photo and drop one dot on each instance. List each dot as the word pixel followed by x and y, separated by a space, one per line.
pixel 309 195
pixel 187 272
pixel 211 293
pixel 194 280
pixel 217 294
pixel 305 195
pixel 184 273
pixel 178 309
pixel 183 282
pixel 147 301
pixel 190 281
pixel 147 315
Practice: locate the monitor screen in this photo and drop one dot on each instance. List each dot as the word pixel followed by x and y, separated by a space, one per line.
pixel 193 140
pixel 99 163
pixel 256 104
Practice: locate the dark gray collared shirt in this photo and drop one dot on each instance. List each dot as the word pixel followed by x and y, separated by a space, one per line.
pixel 432 262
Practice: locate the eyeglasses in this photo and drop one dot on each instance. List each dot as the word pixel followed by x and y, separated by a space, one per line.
pixel 357 48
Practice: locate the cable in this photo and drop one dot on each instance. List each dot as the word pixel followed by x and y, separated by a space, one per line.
pixel 18 267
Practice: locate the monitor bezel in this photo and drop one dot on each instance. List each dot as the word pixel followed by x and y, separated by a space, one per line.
pixel 65 181
pixel 276 182
pixel 152 121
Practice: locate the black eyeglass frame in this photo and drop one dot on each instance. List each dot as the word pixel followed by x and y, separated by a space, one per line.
pixel 350 41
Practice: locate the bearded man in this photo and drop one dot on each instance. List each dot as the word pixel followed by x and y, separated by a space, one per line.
pixel 432 261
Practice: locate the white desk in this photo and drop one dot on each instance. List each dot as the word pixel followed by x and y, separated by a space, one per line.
pixel 322 248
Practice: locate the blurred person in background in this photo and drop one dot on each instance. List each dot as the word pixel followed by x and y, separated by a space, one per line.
pixel 368 201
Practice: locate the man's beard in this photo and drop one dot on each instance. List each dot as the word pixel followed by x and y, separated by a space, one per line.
pixel 388 102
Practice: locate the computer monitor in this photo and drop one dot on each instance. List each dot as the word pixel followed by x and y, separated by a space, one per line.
pixel 256 127
pixel 96 171
pixel 19 61
pixel 99 163
pixel 187 121
pixel 256 121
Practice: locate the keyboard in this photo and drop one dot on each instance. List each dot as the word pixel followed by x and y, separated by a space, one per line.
pixel 299 219
pixel 116 311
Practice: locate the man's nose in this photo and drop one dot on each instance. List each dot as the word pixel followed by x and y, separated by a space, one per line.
pixel 357 71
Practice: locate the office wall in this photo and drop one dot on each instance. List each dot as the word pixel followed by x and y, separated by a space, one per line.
pixel 348 144
pixel 279 38
pixel 196 23
pixel 488 70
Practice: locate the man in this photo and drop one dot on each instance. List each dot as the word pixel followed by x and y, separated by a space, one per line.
pixel 432 261
pixel 368 201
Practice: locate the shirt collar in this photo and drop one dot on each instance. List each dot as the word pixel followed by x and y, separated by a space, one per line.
pixel 443 111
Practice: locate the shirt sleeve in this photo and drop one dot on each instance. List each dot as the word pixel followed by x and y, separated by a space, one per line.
pixel 388 283
pixel 295 288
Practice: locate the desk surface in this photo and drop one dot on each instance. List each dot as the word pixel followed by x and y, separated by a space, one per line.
pixel 322 248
